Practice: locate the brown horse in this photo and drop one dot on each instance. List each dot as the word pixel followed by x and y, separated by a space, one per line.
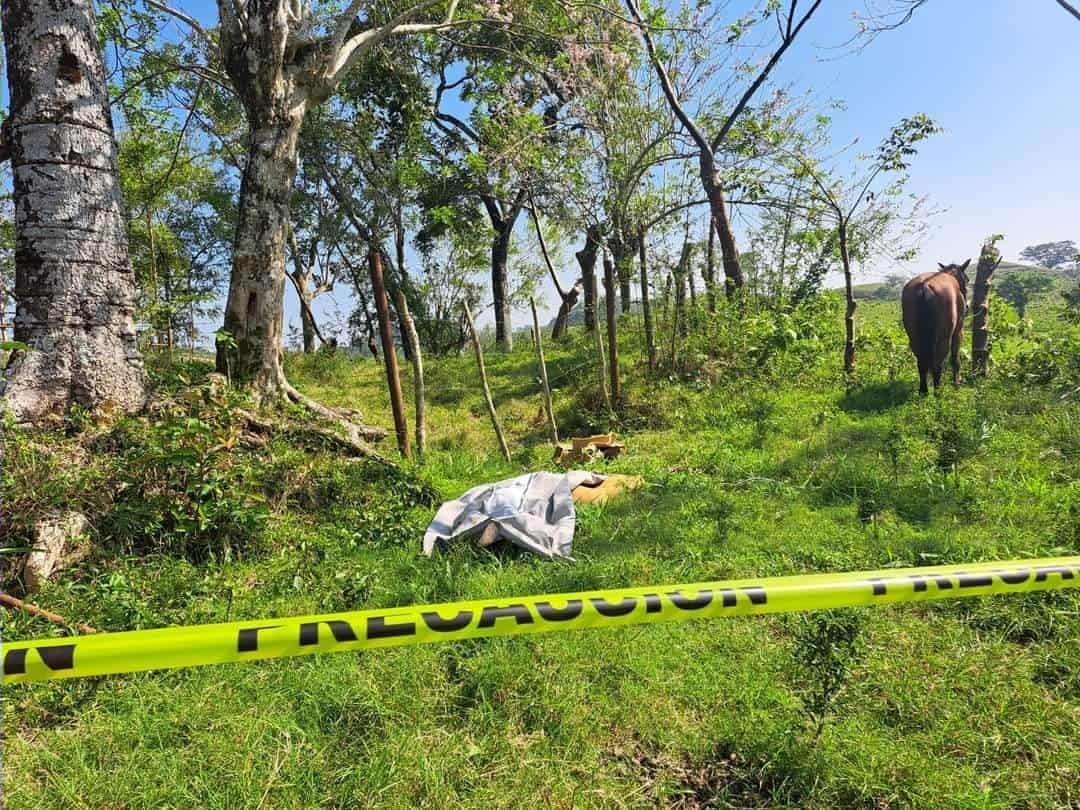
pixel 934 305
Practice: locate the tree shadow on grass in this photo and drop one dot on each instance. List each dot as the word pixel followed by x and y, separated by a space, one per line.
pixel 877 397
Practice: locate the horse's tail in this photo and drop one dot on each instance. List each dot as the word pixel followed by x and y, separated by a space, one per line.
pixel 926 306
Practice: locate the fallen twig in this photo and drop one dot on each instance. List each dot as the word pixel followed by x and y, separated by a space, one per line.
pixel 18 604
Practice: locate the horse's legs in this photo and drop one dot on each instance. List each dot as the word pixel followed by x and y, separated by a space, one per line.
pixel 937 378
pixel 958 338
pixel 923 369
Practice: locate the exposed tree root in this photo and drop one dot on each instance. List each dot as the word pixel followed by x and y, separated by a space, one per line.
pixel 354 438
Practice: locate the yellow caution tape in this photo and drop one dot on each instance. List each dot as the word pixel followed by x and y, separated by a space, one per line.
pixel 175 647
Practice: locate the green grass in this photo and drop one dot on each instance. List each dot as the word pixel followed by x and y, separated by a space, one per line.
pixel 778 470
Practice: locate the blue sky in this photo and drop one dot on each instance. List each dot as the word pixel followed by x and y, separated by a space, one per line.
pixel 1000 76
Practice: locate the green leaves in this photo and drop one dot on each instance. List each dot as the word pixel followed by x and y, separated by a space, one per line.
pixel 898 148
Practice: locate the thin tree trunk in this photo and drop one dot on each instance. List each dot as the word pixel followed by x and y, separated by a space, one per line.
pixel 678 325
pixel 500 250
pixel 74 284
pixel 646 306
pixel 729 252
pixel 682 273
pixel 484 381
pixel 622 253
pixel 567 298
pixel 544 375
pixel 408 329
pixel 371 344
pixel 602 366
pixel 989 259
pixel 393 377
pixel 307 322
pixel 849 311
pixel 562 319
pixel 153 285
pixel 789 213
pixel 587 260
pixel 710 268
pixel 612 328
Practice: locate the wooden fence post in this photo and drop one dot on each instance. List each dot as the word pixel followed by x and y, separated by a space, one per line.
pixel 543 375
pixel 646 305
pixel 408 329
pixel 393 378
pixel 612 327
pixel 484 381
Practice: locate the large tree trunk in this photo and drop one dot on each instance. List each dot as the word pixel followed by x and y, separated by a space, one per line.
pixel 73 279
pixel 253 310
pixel 989 259
pixel 500 251
pixel 729 252
pixel 587 260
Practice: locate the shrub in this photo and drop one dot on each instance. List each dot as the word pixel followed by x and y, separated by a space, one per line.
pixel 826 647
pixel 181 488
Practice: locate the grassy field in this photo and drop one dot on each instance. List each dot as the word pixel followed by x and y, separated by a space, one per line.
pixel 759 461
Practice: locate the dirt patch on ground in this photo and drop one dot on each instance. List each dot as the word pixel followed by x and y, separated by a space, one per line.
pixel 723 779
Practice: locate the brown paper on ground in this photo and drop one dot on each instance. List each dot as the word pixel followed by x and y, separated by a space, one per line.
pixel 612 486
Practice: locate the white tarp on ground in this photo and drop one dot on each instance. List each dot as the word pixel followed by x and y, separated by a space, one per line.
pixel 534 511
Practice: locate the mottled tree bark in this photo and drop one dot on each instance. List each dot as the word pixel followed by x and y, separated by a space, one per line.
pixel 412 339
pixel 989 259
pixel 280 68
pixel 254 308
pixel 74 283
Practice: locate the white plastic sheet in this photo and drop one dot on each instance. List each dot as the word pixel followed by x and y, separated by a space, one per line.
pixel 534 511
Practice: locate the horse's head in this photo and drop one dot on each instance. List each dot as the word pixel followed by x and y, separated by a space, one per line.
pixel 959 272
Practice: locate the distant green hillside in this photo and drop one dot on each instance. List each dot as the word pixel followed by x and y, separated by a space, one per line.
pixel 882 291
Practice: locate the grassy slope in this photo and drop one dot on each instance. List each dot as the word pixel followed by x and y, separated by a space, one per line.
pixel 970 704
